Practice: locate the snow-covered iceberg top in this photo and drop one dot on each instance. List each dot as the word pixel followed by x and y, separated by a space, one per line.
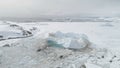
pixel 68 40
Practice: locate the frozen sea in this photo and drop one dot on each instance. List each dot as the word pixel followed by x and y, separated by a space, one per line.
pixel 20 51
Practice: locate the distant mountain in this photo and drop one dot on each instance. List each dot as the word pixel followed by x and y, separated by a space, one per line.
pixel 59 19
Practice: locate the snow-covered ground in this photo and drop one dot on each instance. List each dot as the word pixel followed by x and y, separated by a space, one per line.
pixel 23 45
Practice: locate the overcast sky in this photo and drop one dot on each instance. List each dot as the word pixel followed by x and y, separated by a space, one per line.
pixel 37 8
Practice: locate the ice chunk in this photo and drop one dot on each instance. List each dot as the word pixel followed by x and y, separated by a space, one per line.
pixel 89 65
pixel 68 40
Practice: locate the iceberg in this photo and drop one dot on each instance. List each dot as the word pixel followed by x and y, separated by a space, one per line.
pixel 68 40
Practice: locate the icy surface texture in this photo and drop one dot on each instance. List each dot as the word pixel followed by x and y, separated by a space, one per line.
pixel 68 40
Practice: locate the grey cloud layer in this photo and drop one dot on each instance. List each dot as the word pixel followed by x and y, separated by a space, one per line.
pixel 36 8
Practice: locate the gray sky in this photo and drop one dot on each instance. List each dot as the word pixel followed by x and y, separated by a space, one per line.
pixel 37 8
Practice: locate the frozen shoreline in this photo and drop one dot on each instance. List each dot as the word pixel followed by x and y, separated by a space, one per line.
pixel 22 53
